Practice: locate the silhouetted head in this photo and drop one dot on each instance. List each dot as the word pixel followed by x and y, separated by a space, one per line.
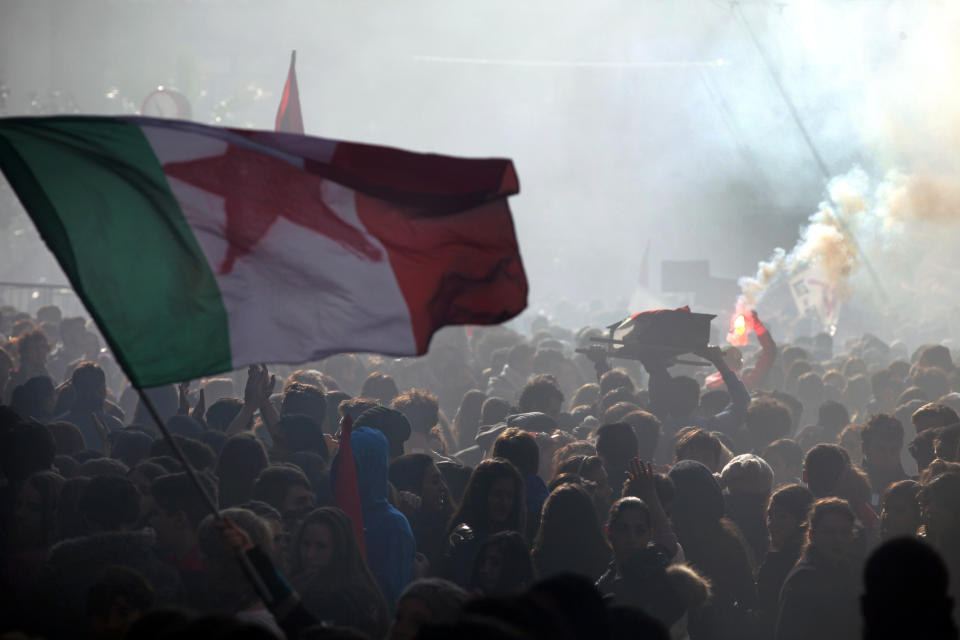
pixel 906 593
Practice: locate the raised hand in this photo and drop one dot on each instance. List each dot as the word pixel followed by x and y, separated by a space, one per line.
pixel 199 412
pixel 714 354
pixel 269 413
pixel 598 356
pixel 253 388
pixel 268 383
pixel 251 400
pixel 639 482
pixel 757 325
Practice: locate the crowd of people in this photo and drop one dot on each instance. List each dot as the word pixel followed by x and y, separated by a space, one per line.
pixel 510 486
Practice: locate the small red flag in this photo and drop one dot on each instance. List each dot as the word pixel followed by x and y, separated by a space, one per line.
pixel 289 116
pixel 346 492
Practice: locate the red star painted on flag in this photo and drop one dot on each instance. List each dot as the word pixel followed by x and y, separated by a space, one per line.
pixel 257 189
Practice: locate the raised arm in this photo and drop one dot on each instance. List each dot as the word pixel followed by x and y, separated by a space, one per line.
pixel 640 484
pixel 251 401
pixel 282 600
pixel 598 356
pixel 768 354
pixel 269 413
pixel 729 420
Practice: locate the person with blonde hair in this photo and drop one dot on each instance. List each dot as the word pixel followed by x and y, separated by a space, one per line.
pixel 230 591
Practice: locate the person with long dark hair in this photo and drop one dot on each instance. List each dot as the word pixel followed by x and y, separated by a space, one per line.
pixel 493 501
pixel 819 597
pixel 787 526
pixel 641 574
pixel 503 566
pixel 332 577
pixel 900 510
pixel 570 539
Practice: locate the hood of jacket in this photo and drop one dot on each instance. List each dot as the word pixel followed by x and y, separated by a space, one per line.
pixel 698 494
pixel 370 450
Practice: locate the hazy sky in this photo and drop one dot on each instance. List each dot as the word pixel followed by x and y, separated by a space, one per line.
pixel 628 120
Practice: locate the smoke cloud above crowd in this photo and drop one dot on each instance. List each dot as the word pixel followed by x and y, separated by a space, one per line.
pixel 882 235
pixel 628 123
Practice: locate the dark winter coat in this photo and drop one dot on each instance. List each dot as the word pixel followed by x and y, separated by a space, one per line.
pixel 748 512
pixel 647 581
pixel 820 600
pixel 770 578
pixel 74 564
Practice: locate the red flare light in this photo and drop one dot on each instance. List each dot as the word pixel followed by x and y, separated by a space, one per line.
pixel 738 335
pixel 739 325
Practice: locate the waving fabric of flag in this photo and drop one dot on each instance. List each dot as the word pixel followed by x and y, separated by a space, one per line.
pixel 200 249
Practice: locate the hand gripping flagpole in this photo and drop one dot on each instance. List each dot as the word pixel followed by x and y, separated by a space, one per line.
pixel 249 571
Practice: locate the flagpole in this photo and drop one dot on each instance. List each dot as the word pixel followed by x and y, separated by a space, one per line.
pixel 248 569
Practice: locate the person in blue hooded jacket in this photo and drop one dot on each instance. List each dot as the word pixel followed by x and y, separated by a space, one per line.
pixel 389 539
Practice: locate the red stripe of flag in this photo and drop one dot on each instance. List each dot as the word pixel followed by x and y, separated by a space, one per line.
pixel 404 177
pixel 459 268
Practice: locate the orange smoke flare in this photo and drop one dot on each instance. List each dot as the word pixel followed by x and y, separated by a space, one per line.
pixel 739 326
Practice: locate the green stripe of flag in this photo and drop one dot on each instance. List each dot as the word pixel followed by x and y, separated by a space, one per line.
pixel 101 202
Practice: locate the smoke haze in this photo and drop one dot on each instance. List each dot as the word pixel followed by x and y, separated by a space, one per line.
pixel 627 121
pixel 885 241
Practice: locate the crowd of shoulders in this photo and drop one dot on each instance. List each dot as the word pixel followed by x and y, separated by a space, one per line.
pixel 501 486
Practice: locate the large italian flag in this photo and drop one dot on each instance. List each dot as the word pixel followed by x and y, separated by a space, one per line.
pixel 200 249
